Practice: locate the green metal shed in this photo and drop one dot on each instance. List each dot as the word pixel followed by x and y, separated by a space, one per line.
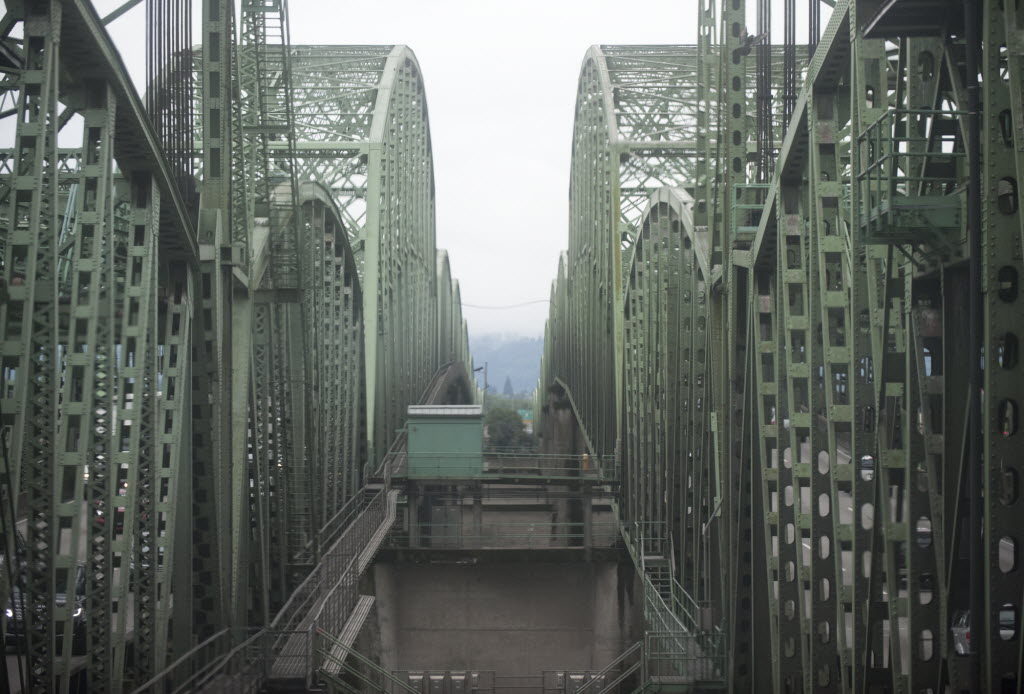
pixel 445 441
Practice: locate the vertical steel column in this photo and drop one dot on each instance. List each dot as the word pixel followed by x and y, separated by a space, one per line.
pixel 827 385
pixel 730 320
pixel 211 442
pixel 171 455
pixel 137 428
pixel 31 318
pixel 90 358
pixel 769 361
pixel 994 224
pixel 794 337
pixel 867 79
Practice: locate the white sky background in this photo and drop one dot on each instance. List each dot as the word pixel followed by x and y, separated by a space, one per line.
pixel 501 89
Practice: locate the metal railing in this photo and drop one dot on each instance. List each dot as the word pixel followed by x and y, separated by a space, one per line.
pixel 242 670
pixel 616 672
pixel 675 656
pixel 394 459
pixel 676 644
pixel 507 535
pixel 689 657
pixel 337 523
pixel 285 649
pixel 364 514
pixel 336 662
pixel 651 538
pixel 909 175
pixel 517 464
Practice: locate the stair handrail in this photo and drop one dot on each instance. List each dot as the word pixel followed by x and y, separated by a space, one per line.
pixel 309 593
pixel 321 636
pixel 339 683
pixel 638 646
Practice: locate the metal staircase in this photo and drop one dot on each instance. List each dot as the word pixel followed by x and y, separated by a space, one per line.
pixel 676 654
pixel 343 670
pixel 326 609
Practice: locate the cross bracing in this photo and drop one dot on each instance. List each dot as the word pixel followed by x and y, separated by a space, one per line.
pixel 194 390
pixel 788 317
pixel 638 127
pixel 781 353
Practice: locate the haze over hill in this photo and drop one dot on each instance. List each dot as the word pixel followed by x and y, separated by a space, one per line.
pixel 508 356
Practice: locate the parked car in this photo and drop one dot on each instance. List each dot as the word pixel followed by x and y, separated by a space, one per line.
pixel 961 628
pixel 15 625
pixel 961 632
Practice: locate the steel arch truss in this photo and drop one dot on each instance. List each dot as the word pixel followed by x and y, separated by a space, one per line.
pixel 639 126
pixel 96 323
pixel 191 390
pixel 668 487
pixel 832 431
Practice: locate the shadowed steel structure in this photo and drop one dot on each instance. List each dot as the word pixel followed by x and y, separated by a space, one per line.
pixel 786 360
pixel 195 388
pixel 639 126
pixel 788 323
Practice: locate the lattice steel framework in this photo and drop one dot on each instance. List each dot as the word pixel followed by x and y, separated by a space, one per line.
pixel 639 126
pixel 192 389
pixel 815 463
pixel 362 133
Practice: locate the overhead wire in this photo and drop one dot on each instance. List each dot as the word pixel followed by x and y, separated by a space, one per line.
pixel 508 306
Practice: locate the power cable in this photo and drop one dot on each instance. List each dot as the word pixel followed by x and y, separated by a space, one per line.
pixel 508 306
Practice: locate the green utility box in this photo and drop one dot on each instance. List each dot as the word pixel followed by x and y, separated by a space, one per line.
pixel 445 441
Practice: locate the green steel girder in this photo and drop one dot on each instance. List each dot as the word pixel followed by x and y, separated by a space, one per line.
pixel 186 408
pixel 837 374
pixel 637 128
pixel 667 414
pixel 1003 379
pixel 30 319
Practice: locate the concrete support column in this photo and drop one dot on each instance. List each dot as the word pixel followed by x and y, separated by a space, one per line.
pixel 588 519
pixel 414 518
pixel 478 513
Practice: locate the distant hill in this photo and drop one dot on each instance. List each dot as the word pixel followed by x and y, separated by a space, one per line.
pixel 513 357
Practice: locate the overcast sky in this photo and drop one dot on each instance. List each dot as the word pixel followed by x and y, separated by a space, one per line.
pixel 501 87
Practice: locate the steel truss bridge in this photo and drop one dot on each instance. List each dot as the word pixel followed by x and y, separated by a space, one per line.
pixel 217 303
pixel 791 305
pixel 788 317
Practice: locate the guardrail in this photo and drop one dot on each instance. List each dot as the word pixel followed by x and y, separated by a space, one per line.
pixel 363 513
pixel 616 671
pixel 241 670
pixel 692 657
pixel 324 599
pixel 517 464
pixel 510 535
pixel 676 644
pixel 335 658
pixel 909 177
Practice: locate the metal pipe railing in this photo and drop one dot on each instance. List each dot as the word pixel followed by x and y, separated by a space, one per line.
pixel 508 535
pixel 377 678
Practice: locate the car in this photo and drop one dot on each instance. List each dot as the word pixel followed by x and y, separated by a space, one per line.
pixel 961 628
pixel 867 468
pixel 101 517
pixel 15 631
